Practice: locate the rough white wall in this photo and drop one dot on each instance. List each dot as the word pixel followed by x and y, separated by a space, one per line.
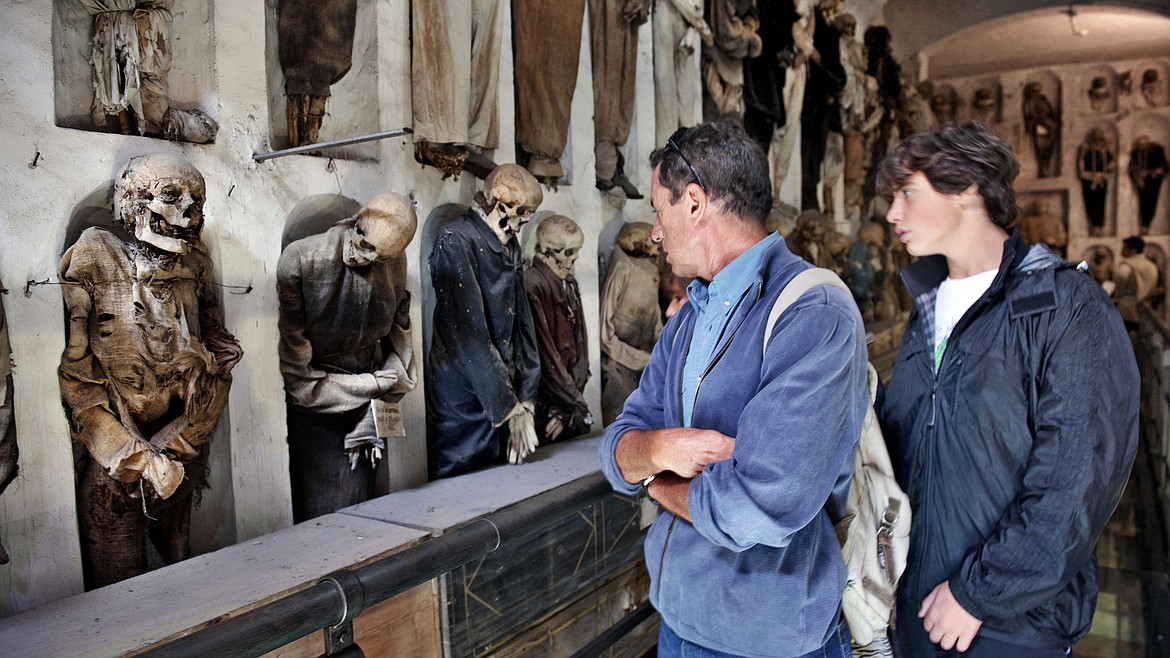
pixel 247 207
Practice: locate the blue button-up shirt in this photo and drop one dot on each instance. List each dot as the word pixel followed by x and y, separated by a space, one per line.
pixel 715 303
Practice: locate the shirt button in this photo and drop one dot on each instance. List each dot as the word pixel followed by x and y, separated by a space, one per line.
pixel 727 302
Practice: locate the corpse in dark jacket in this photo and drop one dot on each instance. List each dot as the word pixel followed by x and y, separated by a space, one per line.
pixel 1011 488
pixel 555 300
pixel 483 357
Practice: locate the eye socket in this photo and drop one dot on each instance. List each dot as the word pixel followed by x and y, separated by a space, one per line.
pixel 570 252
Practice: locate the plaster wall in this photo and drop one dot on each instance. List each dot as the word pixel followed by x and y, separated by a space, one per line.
pixel 248 203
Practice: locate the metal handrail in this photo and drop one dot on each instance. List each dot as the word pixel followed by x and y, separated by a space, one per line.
pixel 325 604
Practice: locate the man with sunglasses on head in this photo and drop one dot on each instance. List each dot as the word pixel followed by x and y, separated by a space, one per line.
pixel 749 452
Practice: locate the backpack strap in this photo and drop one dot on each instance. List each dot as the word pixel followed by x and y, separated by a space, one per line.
pixel 800 284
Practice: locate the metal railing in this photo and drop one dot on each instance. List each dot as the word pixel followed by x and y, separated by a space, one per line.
pixel 336 599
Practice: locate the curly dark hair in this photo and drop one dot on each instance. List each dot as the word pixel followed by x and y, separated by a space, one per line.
pixel 724 161
pixel 953 157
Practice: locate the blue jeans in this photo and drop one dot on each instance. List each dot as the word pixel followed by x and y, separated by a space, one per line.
pixel 670 645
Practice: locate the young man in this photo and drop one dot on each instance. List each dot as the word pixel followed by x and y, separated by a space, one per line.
pixel 749 453
pixel 1012 411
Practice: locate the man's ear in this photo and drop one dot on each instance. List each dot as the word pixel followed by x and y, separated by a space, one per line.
pixel 697 203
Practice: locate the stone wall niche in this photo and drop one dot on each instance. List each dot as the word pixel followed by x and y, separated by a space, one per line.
pixel 135 67
pixel 348 107
pixel 1097 91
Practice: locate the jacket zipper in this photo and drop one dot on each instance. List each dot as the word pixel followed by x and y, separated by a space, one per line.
pixel 662 559
pixel 699 385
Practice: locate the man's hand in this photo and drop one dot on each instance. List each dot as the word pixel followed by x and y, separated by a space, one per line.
pixel 684 451
pixel 949 625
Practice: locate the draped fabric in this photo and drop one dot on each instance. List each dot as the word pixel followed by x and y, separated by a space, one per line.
pixel 131 59
pixel 1147 169
pixel 734 25
pixel 765 76
pixel 678 29
pixel 316 43
pixel 455 71
pixel 144 378
pixel 546 46
pixel 8 449
pixel 822 112
pixel 1096 164
pixel 630 323
pixel 613 30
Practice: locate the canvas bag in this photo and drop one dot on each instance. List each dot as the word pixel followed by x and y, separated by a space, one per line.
pixel 875 532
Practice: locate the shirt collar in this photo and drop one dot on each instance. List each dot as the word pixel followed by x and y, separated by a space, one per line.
pixel 731 282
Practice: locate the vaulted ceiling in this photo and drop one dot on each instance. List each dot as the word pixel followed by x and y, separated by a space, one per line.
pixel 1068 34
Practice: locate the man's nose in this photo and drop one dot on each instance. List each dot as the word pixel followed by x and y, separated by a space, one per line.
pixel 656 232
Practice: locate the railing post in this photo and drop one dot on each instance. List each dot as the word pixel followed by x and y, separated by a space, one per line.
pixel 339 638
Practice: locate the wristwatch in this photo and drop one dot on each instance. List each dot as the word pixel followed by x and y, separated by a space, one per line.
pixel 645 487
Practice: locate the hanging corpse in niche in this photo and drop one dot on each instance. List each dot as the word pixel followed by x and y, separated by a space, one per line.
pixel 146 369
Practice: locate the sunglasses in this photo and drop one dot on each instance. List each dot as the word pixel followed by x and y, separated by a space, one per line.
pixel 670 143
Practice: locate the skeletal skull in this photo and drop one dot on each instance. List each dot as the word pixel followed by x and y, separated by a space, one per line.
pixel 510 196
pixel 159 198
pixel 635 240
pixel 558 244
pixel 384 226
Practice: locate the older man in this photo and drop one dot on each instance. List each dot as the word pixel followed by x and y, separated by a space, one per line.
pixel 747 447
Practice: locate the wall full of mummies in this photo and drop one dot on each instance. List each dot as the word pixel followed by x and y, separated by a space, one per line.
pixel 1104 96
pixel 57 174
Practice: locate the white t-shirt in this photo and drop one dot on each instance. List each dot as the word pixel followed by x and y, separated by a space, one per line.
pixel 955 296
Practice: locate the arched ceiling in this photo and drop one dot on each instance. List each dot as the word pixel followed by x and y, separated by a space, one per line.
pixel 1046 36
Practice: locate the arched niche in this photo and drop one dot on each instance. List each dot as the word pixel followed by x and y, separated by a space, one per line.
pixel 1097 90
pixel 1040 94
pixel 315 215
pixel 190 82
pixel 607 242
pixel 94 209
pixel 352 108
pixel 985 100
pixel 1147 85
pixel 1086 162
pixel 1156 127
pixel 1101 262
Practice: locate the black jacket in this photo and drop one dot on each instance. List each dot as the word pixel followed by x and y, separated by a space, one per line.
pixel 1010 490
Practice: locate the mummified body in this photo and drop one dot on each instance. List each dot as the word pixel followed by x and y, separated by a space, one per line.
pixel 344 342
pixel 484 363
pixel 561 410
pixel 146 370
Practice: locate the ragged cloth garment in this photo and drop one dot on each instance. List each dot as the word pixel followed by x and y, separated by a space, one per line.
pixel 630 323
pixel 613 30
pixel 564 349
pixel 455 71
pixel 678 31
pixel 8 450
pixel 546 46
pixel 146 371
pixel 338 325
pixel 131 58
pixel 483 358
